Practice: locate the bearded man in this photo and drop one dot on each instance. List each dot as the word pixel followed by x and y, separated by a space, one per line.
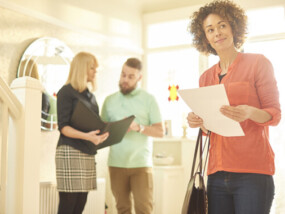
pixel 130 161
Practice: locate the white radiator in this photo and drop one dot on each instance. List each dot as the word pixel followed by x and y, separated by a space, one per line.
pixel 49 199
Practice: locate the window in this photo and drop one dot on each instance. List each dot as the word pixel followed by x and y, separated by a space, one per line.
pixel 168 68
pixel 168 34
pixel 171 61
pixel 266 21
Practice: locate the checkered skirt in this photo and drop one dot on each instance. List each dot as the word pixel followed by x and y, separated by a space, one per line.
pixel 75 170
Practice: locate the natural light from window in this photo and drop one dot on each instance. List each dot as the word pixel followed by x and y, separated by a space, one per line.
pixel 177 67
pixel 167 34
pixel 266 21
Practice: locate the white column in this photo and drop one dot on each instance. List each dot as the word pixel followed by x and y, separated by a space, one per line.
pixel 24 149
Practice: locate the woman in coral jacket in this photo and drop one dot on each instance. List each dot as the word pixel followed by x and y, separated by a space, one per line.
pixel 240 169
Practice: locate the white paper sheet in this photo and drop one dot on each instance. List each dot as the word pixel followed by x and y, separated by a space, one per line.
pixel 206 103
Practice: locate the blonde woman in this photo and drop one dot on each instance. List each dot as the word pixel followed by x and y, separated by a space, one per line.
pixel 75 160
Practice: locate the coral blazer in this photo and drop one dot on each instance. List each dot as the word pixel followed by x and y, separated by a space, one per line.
pixel 249 81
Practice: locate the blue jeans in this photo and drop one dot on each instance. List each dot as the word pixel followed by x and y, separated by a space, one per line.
pixel 240 193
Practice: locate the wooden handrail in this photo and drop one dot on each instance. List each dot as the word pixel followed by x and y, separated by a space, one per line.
pixel 8 97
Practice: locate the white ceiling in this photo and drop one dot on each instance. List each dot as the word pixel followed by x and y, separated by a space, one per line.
pixel 158 5
pixel 147 6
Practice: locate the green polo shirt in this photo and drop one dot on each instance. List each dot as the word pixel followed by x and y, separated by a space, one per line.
pixel 135 150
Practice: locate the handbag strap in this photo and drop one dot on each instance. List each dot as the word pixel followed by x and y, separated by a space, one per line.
pixel 207 154
pixel 199 145
pixel 199 138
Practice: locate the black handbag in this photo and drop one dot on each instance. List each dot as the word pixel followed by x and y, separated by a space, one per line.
pixel 196 201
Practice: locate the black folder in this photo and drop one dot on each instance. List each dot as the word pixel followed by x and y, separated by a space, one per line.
pixel 84 119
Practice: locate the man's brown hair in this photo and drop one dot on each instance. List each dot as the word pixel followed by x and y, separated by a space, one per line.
pixel 134 63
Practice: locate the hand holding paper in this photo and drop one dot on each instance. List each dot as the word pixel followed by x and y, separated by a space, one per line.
pixel 206 103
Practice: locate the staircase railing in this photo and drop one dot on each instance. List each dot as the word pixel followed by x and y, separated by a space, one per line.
pixel 10 107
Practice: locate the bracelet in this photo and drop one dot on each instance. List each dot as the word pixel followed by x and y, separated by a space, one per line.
pixel 142 127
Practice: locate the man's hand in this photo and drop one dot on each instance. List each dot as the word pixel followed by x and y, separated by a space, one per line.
pixel 134 127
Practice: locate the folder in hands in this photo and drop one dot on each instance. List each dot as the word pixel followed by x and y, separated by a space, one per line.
pixel 84 119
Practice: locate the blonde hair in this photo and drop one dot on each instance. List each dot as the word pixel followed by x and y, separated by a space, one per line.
pixel 78 72
pixel 29 68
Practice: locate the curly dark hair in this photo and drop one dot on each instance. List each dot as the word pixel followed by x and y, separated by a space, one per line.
pixel 226 9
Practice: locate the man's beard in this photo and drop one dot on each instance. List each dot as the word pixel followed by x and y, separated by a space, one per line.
pixel 127 90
